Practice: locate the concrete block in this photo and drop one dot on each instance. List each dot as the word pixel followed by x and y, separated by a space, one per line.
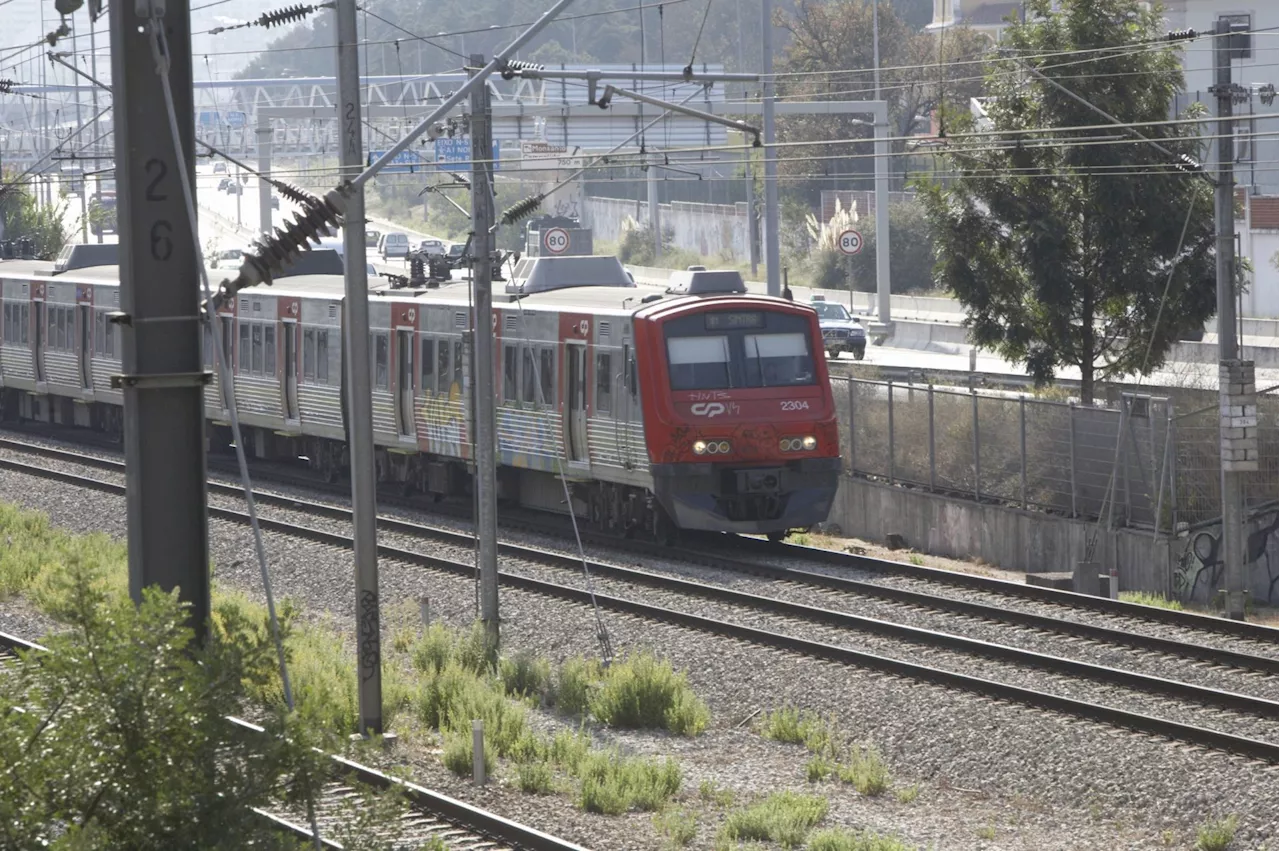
pixel 1057 581
pixel 1085 577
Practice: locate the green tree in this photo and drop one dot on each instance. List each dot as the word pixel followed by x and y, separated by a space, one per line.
pixel 910 251
pixel 122 741
pixel 21 217
pixel 831 51
pixel 1061 242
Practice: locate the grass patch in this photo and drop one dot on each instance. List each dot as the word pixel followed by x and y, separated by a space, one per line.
pixel 35 556
pixel 535 778
pixel 908 794
pixel 783 817
pixel 987 832
pixel 865 771
pixel 1147 598
pixel 613 784
pixel 1217 835
pixel 577 676
pixel 459 753
pixel 916 559
pixel 678 826
pixel 839 839
pixel 526 676
pixel 797 727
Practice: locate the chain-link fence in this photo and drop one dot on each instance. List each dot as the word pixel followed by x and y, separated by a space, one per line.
pixel 1199 481
pixel 1138 464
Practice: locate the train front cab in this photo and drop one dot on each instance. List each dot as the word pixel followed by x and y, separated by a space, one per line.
pixel 742 427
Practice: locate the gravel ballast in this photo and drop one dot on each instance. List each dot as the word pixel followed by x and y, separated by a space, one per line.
pixel 1039 780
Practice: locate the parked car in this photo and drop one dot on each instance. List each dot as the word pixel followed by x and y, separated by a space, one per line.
pixel 394 244
pixel 428 247
pixel 219 168
pixel 223 184
pixel 841 332
pixel 454 255
pixel 275 202
pixel 234 188
pixel 371 237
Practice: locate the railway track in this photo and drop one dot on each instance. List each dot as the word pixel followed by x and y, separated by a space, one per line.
pixel 1200 715
pixel 429 814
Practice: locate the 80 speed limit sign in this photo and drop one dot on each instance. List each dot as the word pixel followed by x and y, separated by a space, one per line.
pixel 850 242
pixel 556 240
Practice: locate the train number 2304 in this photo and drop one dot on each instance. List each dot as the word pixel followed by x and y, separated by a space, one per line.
pixel 793 405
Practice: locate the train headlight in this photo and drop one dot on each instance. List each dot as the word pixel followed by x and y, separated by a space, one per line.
pixel 699 447
pixel 797 444
pixel 810 443
pixel 723 447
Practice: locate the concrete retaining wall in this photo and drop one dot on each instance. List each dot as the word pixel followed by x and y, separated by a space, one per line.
pixel 1009 538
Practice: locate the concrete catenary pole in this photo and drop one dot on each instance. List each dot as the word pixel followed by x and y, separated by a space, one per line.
pixel 97 161
pixel 482 281
pixel 1238 417
pixel 163 380
pixel 771 222
pixel 264 134
pixel 655 206
pixel 359 378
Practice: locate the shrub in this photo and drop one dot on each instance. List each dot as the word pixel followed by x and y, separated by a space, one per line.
pixel 1217 835
pixel 783 817
pixel 642 692
pixel 534 777
pixel 573 692
pixel 459 752
pixel 613 784
pixel 839 839
pixel 526 675
pixel 818 768
pixel 866 771
pixel 433 650
pixel 679 826
pixel 713 794
pixel 568 749
pixel 795 726
pixel 451 699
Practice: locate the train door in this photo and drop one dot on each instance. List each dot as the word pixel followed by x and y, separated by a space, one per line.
pixel 290 370
pixel 404 381
pixel 575 400
pixel 37 339
pixel 85 312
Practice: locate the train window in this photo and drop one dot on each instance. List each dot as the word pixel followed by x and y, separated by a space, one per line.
pixel 381 362
pixel 227 340
pixel 604 383
pixel 777 360
pixel 427 384
pixel 547 372
pixel 24 323
pixel 510 372
pixel 457 364
pixel 269 350
pixel 322 357
pixel 442 367
pixel 245 360
pixel 206 340
pixel 256 366
pixel 308 354
pixel 699 363
pixel 6 330
pixel 530 393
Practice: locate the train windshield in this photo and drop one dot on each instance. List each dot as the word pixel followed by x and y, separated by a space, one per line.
pixel 751 350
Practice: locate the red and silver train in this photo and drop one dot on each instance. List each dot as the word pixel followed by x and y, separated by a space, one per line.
pixel 693 407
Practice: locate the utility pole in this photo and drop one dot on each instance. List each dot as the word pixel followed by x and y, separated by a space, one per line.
pixel 264 135
pixel 771 223
pixel 482 282
pixel 753 215
pixel 97 161
pixel 1238 414
pixel 655 211
pixel 164 377
pixel 359 376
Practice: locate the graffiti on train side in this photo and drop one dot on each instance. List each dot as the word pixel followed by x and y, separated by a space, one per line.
pixel 528 439
pixel 443 421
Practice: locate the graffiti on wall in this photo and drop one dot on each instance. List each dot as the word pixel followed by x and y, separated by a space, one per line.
pixel 1198 574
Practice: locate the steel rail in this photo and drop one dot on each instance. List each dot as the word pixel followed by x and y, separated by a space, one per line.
pixel 984 611
pixel 1253 748
pixel 460 813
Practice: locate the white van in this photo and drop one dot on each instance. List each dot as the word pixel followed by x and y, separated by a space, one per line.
pixel 393 244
